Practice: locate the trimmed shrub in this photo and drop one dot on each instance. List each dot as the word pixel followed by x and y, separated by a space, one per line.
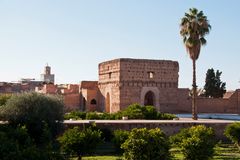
pixel 76 115
pixel 76 142
pixel 93 116
pixel 196 143
pixel 232 132
pixel 150 112
pixel 165 116
pixel 119 137
pixel 143 144
pixel 134 111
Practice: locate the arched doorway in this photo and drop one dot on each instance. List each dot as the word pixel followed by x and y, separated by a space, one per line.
pixel 93 105
pixel 107 103
pixel 149 99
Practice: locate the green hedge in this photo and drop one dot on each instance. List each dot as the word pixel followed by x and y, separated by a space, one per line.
pixel 75 115
pixel 134 111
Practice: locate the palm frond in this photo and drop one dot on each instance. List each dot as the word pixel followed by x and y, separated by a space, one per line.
pixel 203 41
pixel 193 28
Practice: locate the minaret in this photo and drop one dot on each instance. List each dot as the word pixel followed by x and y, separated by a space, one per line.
pixel 47 77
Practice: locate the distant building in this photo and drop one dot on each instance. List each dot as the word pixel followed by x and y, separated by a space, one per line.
pixel 24 85
pixel 47 77
pixel 27 84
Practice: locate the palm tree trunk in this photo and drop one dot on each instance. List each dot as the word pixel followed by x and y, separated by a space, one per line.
pixel 194 95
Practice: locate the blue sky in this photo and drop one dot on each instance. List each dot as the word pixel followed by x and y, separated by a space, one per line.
pixel 74 36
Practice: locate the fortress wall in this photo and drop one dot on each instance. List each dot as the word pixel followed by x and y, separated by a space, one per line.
pixel 138 76
pixel 220 105
pixel 208 105
pixel 169 127
pixel 109 71
pixel 234 102
pixel 72 101
pixel 88 85
pixel 129 95
pixel 89 91
pixel 184 104
pixel 112 90
pixel 139 69
pixel 128 81
pixel 212 105
pixel 109 77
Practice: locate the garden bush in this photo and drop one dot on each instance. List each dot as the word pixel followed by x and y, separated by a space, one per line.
pixel 76 142
pixel 119 137
pixel 143 144
pixel 165 116
pixel 150 112
pixel 232 132
pixel 93 116
pixel 75 115
pixel 136 111
pixel 196 143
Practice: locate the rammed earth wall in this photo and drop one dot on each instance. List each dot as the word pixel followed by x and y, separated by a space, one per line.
pixel 169 127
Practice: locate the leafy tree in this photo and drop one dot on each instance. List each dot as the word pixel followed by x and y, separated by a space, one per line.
pixel 75 142
pixel 196 143
pixel 17 144
pixel 143 144
pixel 214 87
pixel 194 26
pixel 232 132
pixel 41 114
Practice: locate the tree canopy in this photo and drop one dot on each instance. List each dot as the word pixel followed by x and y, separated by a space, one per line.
pixel 194 26
pixel 144 144
pixel 39 113
pixel 214 87
pixel 77 142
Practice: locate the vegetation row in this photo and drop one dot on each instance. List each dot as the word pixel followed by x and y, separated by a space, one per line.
pixel 134 111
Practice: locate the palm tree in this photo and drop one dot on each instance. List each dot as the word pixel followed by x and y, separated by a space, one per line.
pixel 193 28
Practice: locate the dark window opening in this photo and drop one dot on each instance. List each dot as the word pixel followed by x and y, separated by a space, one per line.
pixel 93 101
pixel 110 75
